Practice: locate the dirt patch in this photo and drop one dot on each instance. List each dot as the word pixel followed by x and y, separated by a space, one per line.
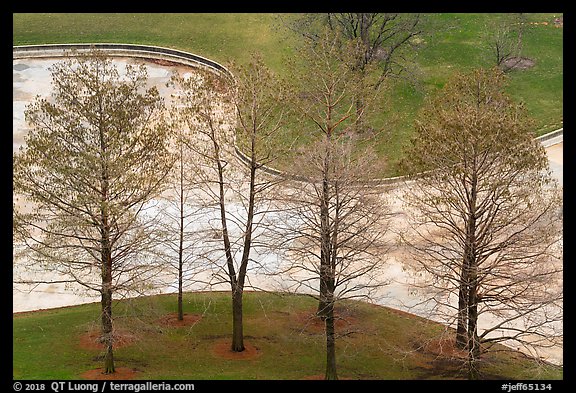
pixel 320 377
pixel 438 358
pixel 559 22
pixel 120 374
pixel 446 348
pixel 518 63
pixel 344 321
pixel 173 321
pixel 92 339
pixel 222 349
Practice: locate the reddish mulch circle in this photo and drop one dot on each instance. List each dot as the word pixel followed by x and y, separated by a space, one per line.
pixel 309 321
pixel 91 339
pixel 120 374
pixel 318 377
pixel 518 63
pixel 221 349
pixel 445 347
pixel 173 321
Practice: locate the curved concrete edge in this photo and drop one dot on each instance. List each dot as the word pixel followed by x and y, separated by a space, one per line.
pixel 552 138
pixel 547 140
pixel 119 50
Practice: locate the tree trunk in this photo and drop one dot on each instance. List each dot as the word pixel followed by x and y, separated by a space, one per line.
pixel 473 339
pixel 237 326
pixel 329 322
pixel 238 287
pixel 461 332
pixel 106 258
pixel 181 235
pixel 324 300
pixel 106 302
pixel 330 343
pixel 180 262
pixel 323 303
pixel 468 277
pixel 180 307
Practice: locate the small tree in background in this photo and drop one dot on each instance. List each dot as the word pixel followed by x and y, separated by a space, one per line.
pixel 385 37
pixel 504 41
pixel 383 41
pixel 94 158
pixel 486 224
pixel 178 227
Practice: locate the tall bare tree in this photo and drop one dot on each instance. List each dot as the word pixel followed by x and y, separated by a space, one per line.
pixel 253 98
pixel 324 100
pixel 94 158
pixel 331 229
pixel 486 216
pixel 330 224
pixel 181 209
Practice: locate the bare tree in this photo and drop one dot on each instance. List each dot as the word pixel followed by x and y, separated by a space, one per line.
pixel 177 226
pixel 485 216
pixel 331 229
pixel 384 41
pixel 385 37
pixel 329 224
pixel 324 100
pixel 254 100
pixel 504 40
pixel 94 158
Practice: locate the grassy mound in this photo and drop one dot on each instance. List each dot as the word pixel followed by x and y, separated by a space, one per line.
pixel 284 339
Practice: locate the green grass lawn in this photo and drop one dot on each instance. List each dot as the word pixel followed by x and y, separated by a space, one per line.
pixel 452 42
pixel 377 342
pixel 220 36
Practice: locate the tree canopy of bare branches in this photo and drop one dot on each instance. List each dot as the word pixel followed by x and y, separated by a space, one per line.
pixel 330 226
pixel 331 230
pixel 385 38
pixel 253 98
pixel 379 45
pixel 504 41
